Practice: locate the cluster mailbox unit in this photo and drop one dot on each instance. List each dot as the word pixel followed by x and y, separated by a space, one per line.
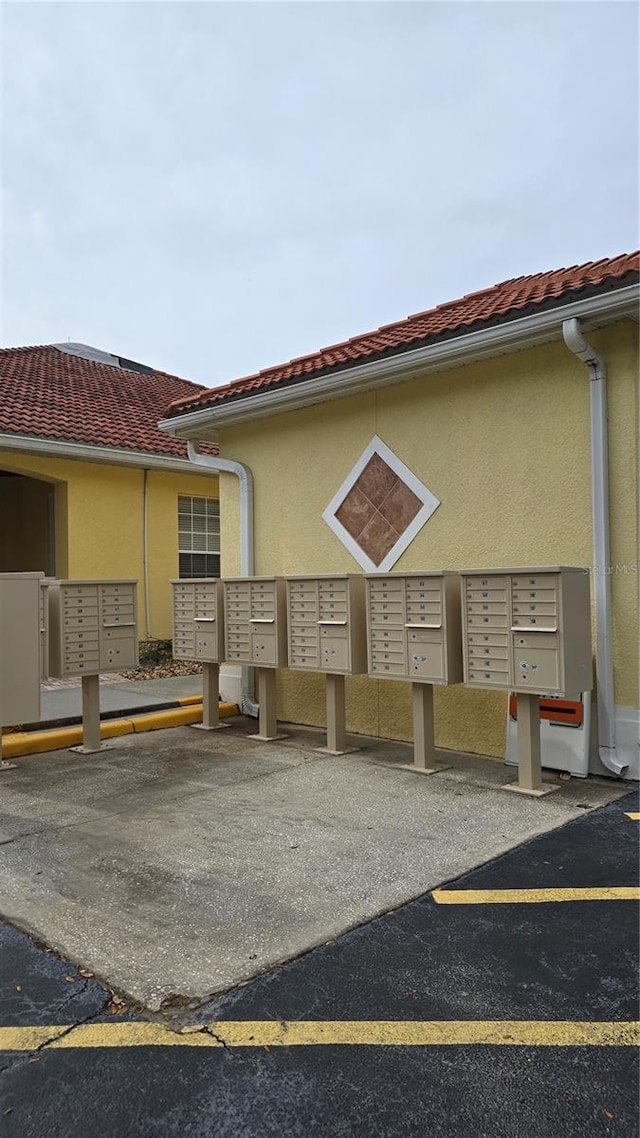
pixel 20 659
pixel 413 624
pixel 528 631
pixel 198 634
pixel 92 629
pixel 255 629
pixel 327 634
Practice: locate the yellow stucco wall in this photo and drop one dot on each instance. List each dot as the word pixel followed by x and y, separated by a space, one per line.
pixel 504 444
pixel 99 523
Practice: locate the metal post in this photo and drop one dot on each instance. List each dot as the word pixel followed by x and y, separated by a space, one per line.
pixel 267 722
pixel 336 716
pixel 424 748
pixel 529 763
pixel 90 716
pixel 210 699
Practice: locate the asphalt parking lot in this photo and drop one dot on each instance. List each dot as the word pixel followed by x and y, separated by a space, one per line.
pixel 502 1004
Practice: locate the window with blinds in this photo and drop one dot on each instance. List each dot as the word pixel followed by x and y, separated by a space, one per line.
pixel 198 537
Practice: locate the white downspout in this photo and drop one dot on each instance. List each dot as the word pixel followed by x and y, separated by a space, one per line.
pixel 248 705
pixel 145 550
pixel 577 344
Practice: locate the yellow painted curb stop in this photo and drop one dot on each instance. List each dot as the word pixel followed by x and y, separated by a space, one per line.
pixel 59 738
pixel 322 1033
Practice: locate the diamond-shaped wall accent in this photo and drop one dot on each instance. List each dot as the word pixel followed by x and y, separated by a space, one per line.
pixel 379 508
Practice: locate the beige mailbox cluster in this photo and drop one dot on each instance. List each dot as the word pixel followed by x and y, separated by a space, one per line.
pixel 326 624
pixel 198 634
pixel 20 660
pixel 92 627
pixel 527 630
pixel 255 621
pixel 198 622
pixel 327 633
pixel 413 625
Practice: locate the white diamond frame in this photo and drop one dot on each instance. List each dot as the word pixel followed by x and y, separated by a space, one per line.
pixel 429 505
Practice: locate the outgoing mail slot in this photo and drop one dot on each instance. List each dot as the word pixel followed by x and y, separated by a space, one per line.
pixel 536 640
pixel 333 631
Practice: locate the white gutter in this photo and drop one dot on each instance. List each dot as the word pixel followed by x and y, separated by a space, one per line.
pixel 86 452
pixel 247 560
pixel 515 335
pixel 577 344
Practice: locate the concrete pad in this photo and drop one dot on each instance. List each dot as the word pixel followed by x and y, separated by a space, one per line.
pixel 179 864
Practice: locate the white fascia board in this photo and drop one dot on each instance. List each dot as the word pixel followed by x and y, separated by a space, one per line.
pixel 513 336
pixel 85 452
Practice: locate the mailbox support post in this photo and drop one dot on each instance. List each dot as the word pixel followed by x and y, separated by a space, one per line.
pixel 267 721
pixel 424 748
pixel 90 717
pixel 529 763
pixel 336 717
pixel 210 699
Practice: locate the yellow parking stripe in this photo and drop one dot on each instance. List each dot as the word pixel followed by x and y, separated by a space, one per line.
pixel 633 816
pixel 534 896
pixel 310 1033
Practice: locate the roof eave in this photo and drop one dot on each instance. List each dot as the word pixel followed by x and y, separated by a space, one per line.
pixel 470 347
pixel 88 452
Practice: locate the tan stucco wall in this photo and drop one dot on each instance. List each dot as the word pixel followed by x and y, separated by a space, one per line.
pixel 99 523
pixel 504 445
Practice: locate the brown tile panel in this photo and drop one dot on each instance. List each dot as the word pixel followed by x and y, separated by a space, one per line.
pixel 378 538
pixel 400 506
pixel 376 480
pixel 355 512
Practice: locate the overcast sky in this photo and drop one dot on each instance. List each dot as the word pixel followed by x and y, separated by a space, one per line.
pixel 213 188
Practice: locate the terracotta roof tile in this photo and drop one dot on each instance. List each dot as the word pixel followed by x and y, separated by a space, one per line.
pixel 508 300
pixel 52 394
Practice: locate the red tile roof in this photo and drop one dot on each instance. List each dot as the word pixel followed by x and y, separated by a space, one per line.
pixel 52 394
pixel 502 302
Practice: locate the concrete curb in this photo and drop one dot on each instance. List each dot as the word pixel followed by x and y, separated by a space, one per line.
pixel 36 742
pixel 105 716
